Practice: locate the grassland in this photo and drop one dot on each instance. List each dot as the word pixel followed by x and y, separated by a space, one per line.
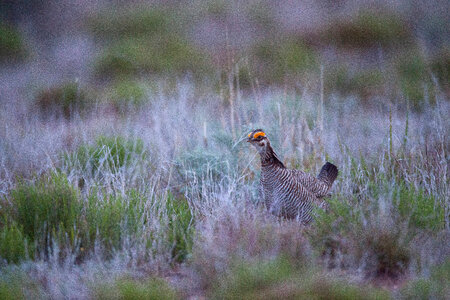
pixel 170 192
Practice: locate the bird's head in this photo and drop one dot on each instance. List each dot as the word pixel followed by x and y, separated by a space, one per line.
pixel 258 139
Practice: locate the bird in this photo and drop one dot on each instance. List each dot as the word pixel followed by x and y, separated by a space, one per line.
pixel 290 193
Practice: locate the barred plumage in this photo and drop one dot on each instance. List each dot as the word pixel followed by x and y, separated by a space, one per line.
pixel 290 193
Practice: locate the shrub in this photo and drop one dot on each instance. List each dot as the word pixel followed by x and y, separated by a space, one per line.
pixel 126 94
pixel 145 41
pixel 387 254
pixel 414 79
pixel 288 58
pixel 11 43
pixel 217 8
pixel 68 98
pixel 362 83
pixel 13 243
pixel 253 280
pixel 278 279
pixel 233 235
pixel 140 21
pixel 440 66
pixel 15 284
pixel 124 288
pixel 112 219
pixel 422 211
pixel 109 153
pixel 47 211
pixel 368 29
pixel 434 287
pixel 105 216
pixel 180 228
pixel 351 236
pixel 162 55
pixel 51 213
pixel 261 15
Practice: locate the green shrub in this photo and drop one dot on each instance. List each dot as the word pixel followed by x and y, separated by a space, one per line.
pixel 414 79
pixel 276 62
pixel 277 279
pixel 126 94
pixel 437 286
pixel 217 8
pixel 421 210
pixel 145 40
pixel 388 253
pixel 67 98
pixel 162 55
pixel 368 29
pixel 329 288
pixel 15 284
pixel 111 219
pixel 109 153
pixel 261 15
pixel 140 21
pixel 11 43
pixel 377 243
pixel 151 289
pixel 181 228
pixel 13 243
pixel 247 280
pixel 104 216
pixel 46 211
pixel 440 66
pixel 363 83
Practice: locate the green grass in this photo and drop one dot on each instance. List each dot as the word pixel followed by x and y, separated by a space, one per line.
pixel 128 289
pixel 440 67
pixel 288 58
pixel 162 55
pixel 278 279
pixel 66 99
pixel 112 219
pixel 11 43
pixel 414 79
pixel 51 212
pixel 369 29
pixel 421 210
pixel 180 228
pixel 126 95
pixel 13 243
pixel 108 153
pixel 16 284
pixel 434 287
pixel 382 237
pixel 363 84
pixel 145 41
pixel 45 212
pixel 140 21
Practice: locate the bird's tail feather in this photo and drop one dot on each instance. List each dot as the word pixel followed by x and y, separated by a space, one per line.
pixel 328 173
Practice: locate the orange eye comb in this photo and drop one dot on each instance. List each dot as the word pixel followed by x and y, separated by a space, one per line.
pixel 258 134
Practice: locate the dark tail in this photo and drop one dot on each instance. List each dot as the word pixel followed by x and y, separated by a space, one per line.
pixel 328 173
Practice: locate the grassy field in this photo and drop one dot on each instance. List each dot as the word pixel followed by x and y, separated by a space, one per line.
pixel 132 179
pixel 170 194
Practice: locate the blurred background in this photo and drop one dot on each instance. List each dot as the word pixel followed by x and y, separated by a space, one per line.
pixel 111 52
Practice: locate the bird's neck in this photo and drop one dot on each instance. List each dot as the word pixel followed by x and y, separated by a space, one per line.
pixel 270 158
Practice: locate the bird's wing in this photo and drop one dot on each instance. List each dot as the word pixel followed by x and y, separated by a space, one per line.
pixel 316 186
